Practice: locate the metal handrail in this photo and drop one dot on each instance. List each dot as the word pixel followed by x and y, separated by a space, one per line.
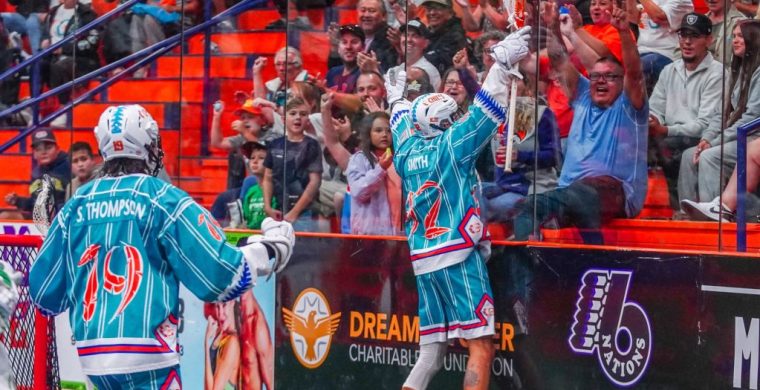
pixel 95 23
pixel 150 53
pixel 741 182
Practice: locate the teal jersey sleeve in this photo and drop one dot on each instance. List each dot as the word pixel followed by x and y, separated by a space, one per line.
pixel 196 248
pixel 48 285
pixel 469 135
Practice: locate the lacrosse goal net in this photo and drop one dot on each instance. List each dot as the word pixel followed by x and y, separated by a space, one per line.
pixel 30 338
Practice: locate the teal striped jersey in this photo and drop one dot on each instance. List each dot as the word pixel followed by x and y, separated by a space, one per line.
pixel 440 184
pixel 114 257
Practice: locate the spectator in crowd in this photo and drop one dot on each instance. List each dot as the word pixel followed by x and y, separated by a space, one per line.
pixel 289 68
pixel 446 34
pixel 486 41
pixel 604 174
pixel 342 78
pixel 658 41
pixel 414 44
pixel 258 123
pixel 487 15
pixel 78 57
pixel 373 22
pixel 715 210
pixel 374 183
pixel 252 194
pixel 417 83
pixel 83 166
pixel 453 86
pixel 464 85
pixel 27 20
pixel 592 41
pixel 370 88
pixel 723 23
pixel 747 7
pixel 153 20
pixel 699 178
pixel 293 170
pixel 292 17
pixel 49 160
pixel 509 188
pixel 11 85
pixel 687 94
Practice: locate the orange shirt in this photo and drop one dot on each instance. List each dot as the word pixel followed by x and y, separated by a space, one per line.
pixel 609 35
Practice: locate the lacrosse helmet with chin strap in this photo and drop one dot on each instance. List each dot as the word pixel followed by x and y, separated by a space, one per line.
pixel 130 132
pixel 433 113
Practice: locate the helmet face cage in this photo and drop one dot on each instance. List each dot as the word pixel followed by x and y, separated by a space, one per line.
pixel 155 156
pixel 433 113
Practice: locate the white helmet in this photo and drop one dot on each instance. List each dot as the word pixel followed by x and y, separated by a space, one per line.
pixel 432 113
pixel 130 132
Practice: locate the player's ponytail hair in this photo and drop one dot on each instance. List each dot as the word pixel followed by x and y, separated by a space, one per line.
pixel 123 166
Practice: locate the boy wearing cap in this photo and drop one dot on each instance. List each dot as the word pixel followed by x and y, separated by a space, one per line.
pixel 343 77
pixel 684 98
pixel 50 160
pixel 255 115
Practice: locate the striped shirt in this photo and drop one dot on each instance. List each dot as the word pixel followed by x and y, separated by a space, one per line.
pixel 114 257
pixel 443 222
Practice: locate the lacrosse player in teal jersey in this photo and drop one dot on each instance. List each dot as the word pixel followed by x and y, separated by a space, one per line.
pixel 116 252
pixel 448 242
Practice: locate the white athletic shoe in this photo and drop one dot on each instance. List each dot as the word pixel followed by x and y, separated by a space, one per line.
pixel 707 211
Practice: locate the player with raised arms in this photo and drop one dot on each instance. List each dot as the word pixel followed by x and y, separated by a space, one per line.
pixel 435 156
pixel 116 252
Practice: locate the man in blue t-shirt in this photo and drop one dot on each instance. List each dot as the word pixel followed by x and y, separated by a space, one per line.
pixel 604 174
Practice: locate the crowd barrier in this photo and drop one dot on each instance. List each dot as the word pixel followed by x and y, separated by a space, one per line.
pixel 343 314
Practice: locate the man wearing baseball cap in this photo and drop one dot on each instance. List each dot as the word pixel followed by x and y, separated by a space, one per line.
pixel 446 35
pixel 414 45
pixel 351 43
pixel 50 160
pixel 686 94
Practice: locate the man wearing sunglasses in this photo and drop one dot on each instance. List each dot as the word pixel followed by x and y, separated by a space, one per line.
pixel 604 173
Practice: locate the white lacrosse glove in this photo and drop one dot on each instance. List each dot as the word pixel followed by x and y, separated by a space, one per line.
pixel 395 84
pixel 278 238
pixel 512 49
pixel 9 278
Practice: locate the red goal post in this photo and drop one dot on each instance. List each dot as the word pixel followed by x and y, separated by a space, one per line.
pixel 30 339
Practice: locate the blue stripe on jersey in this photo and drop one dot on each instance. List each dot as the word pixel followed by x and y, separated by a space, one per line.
pixel 140 237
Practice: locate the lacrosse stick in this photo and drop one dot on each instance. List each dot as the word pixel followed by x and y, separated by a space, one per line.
pixel 44 205
pixel 516 10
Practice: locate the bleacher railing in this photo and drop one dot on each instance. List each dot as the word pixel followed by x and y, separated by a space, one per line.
pixel 145 56
pixel 741 182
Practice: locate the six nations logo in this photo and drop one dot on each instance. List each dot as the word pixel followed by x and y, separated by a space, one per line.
pixel 607 323
pixel 311 325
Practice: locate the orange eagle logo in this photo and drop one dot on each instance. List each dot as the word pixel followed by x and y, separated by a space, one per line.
pixel 311 325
